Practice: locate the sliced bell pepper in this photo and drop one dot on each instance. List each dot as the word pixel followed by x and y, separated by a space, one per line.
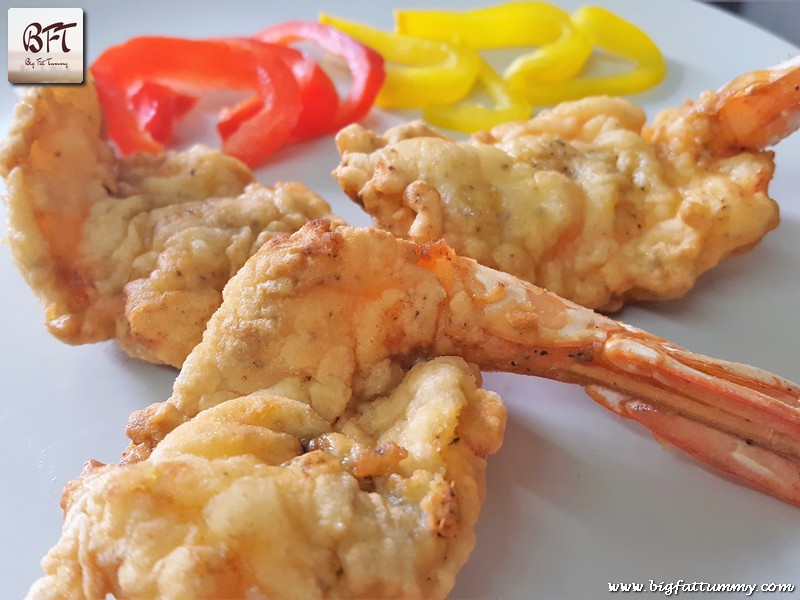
pixel 619 37
pixel 563 49
pixel 318 96
pixel 614 35
pixel 159 107
pixel 548 74
pixel 419 72
pixel 504 26
pixel 559 59
pixel 563 53
pixel 365 64
pixel 469 117
pixel 204 65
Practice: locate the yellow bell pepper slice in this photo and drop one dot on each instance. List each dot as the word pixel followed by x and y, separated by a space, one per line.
pixel 559 60
pixel 503 26
pixel 562 56
pixel 563 53
pixel 419 72
pixel 469 117
pixel 617 37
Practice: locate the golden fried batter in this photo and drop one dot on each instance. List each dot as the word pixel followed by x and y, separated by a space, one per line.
pixel 324 315
pixel 134 248
pixel 262 497
pixel 582 199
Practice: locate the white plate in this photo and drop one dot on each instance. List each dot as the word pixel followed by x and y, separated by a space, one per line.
pixel 578 498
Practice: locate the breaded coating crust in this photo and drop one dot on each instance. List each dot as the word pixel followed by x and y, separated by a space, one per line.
pixel 325 315
pixel 577 200
pixel 262 497
pixel 134 248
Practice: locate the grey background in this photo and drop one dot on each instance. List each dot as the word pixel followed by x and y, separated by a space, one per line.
pixel 781 17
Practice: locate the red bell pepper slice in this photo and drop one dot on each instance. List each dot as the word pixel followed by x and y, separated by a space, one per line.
pixel 318 95
pixel 204 65
pixel 365 64
pixel 159 107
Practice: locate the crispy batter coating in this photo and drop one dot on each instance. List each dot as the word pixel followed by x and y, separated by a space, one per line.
pixel 263 497
pixel 576 200
pixel 324 315
pixel 133 248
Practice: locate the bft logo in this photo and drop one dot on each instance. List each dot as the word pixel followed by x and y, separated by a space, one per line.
pixel 32 36
pixel 45 45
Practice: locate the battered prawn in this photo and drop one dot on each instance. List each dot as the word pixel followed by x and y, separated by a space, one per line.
pixel 335 313
pixel 584 199
pixel 262 497
pixel 133 248
pixel 327 437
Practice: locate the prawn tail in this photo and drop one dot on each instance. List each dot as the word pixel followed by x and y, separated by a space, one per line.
pixel 768 471
pixel 738 420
